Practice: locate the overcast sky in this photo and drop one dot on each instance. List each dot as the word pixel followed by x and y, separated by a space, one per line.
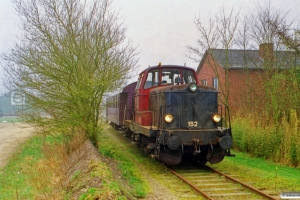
pixel 161 29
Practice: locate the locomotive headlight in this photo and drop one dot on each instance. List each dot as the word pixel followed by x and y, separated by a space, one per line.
pixel 169 118
pixel 216 117
pixel 193 87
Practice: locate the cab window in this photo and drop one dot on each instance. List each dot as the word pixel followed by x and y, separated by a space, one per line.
pixel 188 77
pixel 169 75
pixel 152 79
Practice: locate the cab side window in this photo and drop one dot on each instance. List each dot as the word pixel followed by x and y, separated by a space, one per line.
pixel 152 79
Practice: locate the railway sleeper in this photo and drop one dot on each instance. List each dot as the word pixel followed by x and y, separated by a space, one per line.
pixel 231 194
pixel 222 189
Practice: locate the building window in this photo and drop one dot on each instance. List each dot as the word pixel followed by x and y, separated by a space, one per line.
pixel 215 82
pixel 204 82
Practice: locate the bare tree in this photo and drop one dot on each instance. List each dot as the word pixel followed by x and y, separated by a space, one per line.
pixel 208 38
pixel 278 75
pixel 71 54
pixel 220 33
pixel 260 29
pixel 290 37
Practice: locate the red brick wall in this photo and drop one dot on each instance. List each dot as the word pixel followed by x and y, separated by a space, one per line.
pixel 246 89
pixel 209 70
pixel 244 86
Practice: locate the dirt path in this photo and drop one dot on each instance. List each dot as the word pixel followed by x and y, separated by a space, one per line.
pixel 11 136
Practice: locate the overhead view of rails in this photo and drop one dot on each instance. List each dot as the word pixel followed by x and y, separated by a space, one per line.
pixel 172 117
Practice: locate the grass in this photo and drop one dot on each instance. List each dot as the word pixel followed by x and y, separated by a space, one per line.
pixel 110 189
pixel 277 142
pixel 143 173
pixel 262 173
pixel 21 178
pixel 14 178
pixel 125 161
pixel 30 173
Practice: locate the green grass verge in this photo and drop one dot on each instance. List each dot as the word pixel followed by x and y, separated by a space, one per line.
pixel 109 187
pixel 262 173
pixel 16 175
pixel 126 160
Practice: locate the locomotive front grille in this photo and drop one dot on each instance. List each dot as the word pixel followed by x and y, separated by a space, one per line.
pixel 192 110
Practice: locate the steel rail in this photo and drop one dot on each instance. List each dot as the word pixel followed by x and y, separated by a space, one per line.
pixel 244 184
pixel 190 184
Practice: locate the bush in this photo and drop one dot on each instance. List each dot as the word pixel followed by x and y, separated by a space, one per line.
pixel 276 142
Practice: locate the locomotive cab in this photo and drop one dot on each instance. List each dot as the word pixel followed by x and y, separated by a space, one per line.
pixel 152 78
pixel 176 118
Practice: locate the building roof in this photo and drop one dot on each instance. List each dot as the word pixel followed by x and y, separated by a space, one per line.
pixel 250 59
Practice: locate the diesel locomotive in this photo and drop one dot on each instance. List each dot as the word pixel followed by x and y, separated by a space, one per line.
pixel 172 117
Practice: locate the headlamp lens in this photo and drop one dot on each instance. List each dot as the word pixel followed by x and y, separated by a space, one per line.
pixel 169 118
pixel 216 118
pixel 193 87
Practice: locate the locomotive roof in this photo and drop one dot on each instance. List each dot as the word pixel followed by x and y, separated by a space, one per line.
pixel 170 66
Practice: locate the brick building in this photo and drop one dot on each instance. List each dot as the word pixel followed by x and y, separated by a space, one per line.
pixel 246 69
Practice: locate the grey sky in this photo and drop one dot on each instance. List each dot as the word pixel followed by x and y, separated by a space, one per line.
pixel 161 29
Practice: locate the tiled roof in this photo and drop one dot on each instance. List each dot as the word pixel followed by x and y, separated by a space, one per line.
pixel 238 59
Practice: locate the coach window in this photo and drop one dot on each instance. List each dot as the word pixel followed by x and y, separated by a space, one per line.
pixel 152 79
pixel 215 82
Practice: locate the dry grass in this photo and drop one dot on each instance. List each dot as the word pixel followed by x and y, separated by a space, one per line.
pixel 277 142
pixel 51 171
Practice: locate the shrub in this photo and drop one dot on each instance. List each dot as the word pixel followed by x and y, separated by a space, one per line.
pixel 276 142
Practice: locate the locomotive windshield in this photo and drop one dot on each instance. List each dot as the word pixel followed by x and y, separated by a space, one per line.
pixel 188 77
pixel 166 76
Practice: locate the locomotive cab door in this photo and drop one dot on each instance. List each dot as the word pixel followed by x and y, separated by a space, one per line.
pixel 147 81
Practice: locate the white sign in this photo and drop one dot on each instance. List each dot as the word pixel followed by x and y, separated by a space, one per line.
pixel 17 99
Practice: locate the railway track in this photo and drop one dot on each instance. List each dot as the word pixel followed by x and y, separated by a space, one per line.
pixel 213 184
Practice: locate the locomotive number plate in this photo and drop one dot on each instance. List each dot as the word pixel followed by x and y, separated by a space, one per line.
pixel 192 123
